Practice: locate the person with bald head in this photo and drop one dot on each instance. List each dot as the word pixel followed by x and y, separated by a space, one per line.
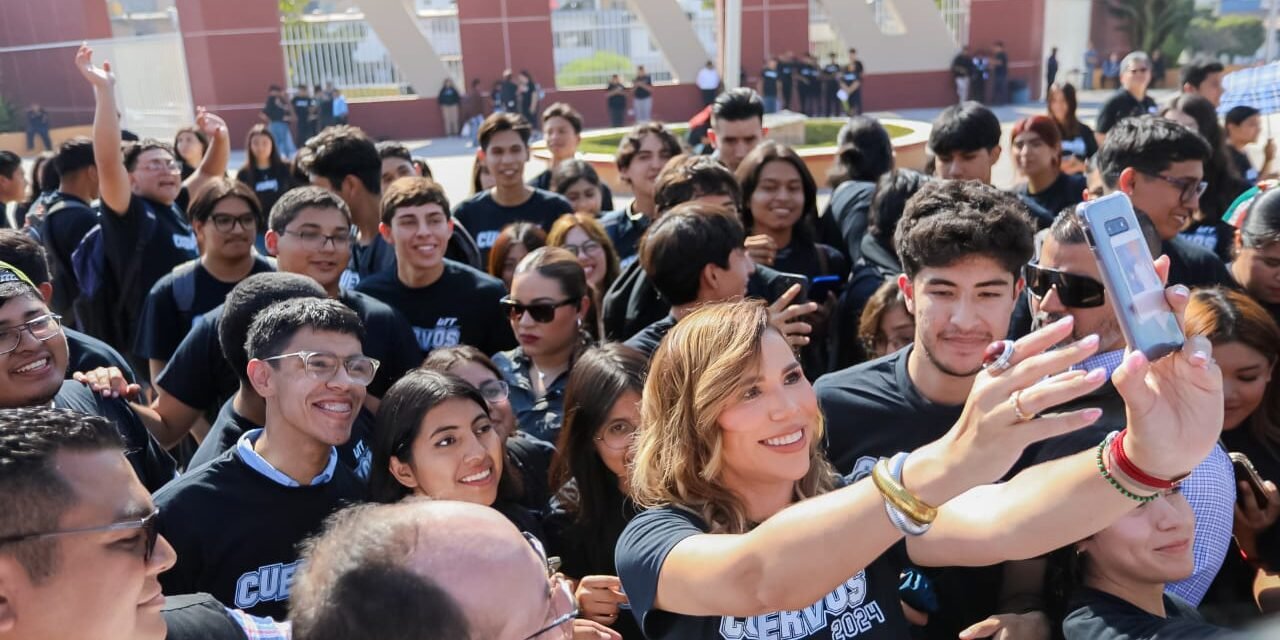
pixel 423 569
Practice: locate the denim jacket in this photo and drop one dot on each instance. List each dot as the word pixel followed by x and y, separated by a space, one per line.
pixel 538 417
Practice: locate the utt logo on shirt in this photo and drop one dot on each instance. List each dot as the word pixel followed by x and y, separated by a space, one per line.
pixel 447 333
pixel 267 584
pixel 185 242
pixel 842 609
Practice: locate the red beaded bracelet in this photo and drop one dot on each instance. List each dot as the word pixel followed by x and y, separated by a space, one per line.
pixel 1128 468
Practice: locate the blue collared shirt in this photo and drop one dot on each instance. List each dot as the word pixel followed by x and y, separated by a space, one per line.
pixel 538 417
pixel 244 448
pixel 1109 361
pixel 1211 492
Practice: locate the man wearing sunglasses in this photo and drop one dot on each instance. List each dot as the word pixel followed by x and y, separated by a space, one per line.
pixel 33 369
pixel 236 522
pixel 461 571
pixel 1159 164
pixel 447 303
pixel 1066 280
pixel 1131 98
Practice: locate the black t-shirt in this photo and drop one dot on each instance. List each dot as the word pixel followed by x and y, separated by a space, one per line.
pixel 811 260
pixel 237 531
pixel 865 606
pixel 355 454
pixel 199 375
pixel 459 308
pixel 158 233
pixel 847 217
pixel 961 66
pixel 302 108
pixel 1101 616
pixel 199 616
pixel 1082 145
pixel 1122 105
pixel 616 101
pixel 809 77
pixel 150 461
pixel 1002 64
pixel 1194 266
pixel 647 340
pixel 1243 164
pixel 786 71
pixel 874 410
pixel 1213 235
pixel 1040 216
pixel 274 109
pixel 543 181
pixel 830 74
pixel 485 218
pixel 1267 463
pixel 369 259
pixel 770 84
pixel 851 75
pixel 268 184
pixel 86 353
pixel 1066 191
pixel 641 92
pixel 163 323
pixel 531 458
pixel 449 97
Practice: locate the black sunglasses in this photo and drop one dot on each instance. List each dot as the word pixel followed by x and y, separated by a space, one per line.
pixel 541 312
pixel 1075 291
pixel 150 526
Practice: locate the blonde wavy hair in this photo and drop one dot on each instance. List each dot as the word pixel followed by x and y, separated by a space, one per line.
pixel 695 375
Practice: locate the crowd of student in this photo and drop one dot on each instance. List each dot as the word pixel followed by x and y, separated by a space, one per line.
pixel 363 411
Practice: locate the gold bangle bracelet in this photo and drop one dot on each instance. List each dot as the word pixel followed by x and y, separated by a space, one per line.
pixel 895 493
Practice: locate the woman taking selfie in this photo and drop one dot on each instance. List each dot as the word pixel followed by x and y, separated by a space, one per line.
pixel 547 306
pixel 745 528
pixel 592 506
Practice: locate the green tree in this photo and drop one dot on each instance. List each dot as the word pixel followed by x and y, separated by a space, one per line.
pixel 594 70
pixel 1231 35
pixel 8 117
pixel 1155 24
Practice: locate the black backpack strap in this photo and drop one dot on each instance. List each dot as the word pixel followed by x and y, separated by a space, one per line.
pixel 184 286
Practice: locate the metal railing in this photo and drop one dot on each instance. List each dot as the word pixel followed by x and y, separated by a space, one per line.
pixel 345 50
pixel 589 46
pixel 823 39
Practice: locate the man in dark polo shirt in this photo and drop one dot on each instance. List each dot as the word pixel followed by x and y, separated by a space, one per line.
pixel 1131 98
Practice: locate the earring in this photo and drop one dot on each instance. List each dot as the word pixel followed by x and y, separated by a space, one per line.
pixel 579 322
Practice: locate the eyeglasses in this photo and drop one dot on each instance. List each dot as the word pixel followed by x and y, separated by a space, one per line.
pixel 1075 291
pixel 558 586
pixel 324 366
pixel 42 328
pixel 150 526
pixel 1139 69
pixel 494 391
pixel 618 435
pixel 225 222
pixel 589 246
pixel 541 312
pixel 161 166
pixel 315 241
pixel 1190 189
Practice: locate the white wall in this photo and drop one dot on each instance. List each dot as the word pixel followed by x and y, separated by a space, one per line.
pixel 1066 26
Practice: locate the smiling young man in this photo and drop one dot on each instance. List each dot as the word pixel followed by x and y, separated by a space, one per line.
pixel 225 216
pixel 237 521
pixel 309 233
pixel 641 155
pixel 143 198
pixel 504 140
pixel 963 245
pixel 78 559
pixel 1159 164
pixel 447 303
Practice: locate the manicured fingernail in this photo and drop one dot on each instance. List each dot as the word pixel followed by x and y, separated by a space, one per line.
pixel 1092 414
pixel 1135 362
pixel 1063 321
pixel 1097 375
pixel 1200 359
pixel 1181 291
pixel 1090 340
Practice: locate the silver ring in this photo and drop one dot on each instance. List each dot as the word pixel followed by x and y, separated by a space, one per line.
pixel 1016 401
pixel 1002 361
